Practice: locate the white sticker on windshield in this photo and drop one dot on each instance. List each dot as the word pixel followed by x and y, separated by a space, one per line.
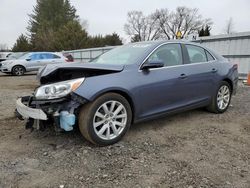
pixel 140 45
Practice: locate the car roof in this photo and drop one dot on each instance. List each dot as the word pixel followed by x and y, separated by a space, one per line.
pixel 56 53
pixel 41 52
pixel 156 43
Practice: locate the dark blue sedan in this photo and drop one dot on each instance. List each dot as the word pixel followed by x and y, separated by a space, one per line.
pixel 128 84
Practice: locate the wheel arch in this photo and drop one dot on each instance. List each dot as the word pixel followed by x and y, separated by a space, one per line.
pixel 230 82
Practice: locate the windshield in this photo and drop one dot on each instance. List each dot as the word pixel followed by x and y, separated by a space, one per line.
pixel 25 56
pixel 123 55
pixel 16 55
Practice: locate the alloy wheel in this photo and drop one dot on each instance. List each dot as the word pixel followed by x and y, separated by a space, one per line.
pixel 223 97
pixel 110 120
pixel 18 71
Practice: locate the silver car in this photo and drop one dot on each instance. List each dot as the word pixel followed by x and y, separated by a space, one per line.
pixel 30 62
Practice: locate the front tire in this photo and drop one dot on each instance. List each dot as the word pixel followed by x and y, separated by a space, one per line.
pixel 18 70
pixel 105 120
pixel 222 98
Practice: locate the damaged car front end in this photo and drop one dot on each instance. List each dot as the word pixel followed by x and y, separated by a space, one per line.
pixel 55 102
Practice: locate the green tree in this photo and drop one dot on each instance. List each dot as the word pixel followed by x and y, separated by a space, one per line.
pixel 112 40
pixel 70 37
pixel 201 32
pixel 47 18
pixel 54 26
pixel 22 44
pixel 207 30
pixel 96 41
pixel 107 40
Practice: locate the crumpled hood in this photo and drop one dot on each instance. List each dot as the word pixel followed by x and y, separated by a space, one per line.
pixel 51 73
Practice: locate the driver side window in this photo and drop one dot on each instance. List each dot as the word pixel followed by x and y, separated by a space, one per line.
pixel 169 54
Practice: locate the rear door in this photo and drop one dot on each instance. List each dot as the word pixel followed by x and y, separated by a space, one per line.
pixel 201 70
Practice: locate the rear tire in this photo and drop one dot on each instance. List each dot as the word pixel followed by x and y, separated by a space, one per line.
pixel 18 70
pixel 221 100
pixel 105 120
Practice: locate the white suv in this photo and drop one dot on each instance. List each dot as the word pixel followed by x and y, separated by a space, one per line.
pixel 31 62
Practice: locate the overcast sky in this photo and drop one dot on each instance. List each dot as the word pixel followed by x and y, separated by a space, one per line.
pixel 108 16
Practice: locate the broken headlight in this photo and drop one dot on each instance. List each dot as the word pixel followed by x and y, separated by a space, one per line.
pixel 58 90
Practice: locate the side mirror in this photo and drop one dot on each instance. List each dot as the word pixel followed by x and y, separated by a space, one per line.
pixel 28 59
pixel 152 64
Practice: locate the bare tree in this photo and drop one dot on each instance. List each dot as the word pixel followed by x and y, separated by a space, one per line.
pixel 186 20
pixel 164 24
pixel 141 27
pixel 229 26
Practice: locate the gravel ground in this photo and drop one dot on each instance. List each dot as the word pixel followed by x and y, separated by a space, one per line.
pixel 191 149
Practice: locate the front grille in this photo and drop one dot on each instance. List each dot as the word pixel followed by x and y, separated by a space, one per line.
pixel 0 64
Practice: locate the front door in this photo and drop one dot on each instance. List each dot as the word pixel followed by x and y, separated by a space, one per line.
pixel 163 88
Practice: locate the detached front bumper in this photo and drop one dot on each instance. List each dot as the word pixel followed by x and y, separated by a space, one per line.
pixel 28 112
pixel 59 112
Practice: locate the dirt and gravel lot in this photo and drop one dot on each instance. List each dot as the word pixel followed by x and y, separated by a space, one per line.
pixel 191 149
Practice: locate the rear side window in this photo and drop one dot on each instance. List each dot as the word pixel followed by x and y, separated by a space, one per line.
pixel 56 56
pixel 196 54
pixel 49 56
pixel 209 56
pixel 43 56
pixel 169 54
